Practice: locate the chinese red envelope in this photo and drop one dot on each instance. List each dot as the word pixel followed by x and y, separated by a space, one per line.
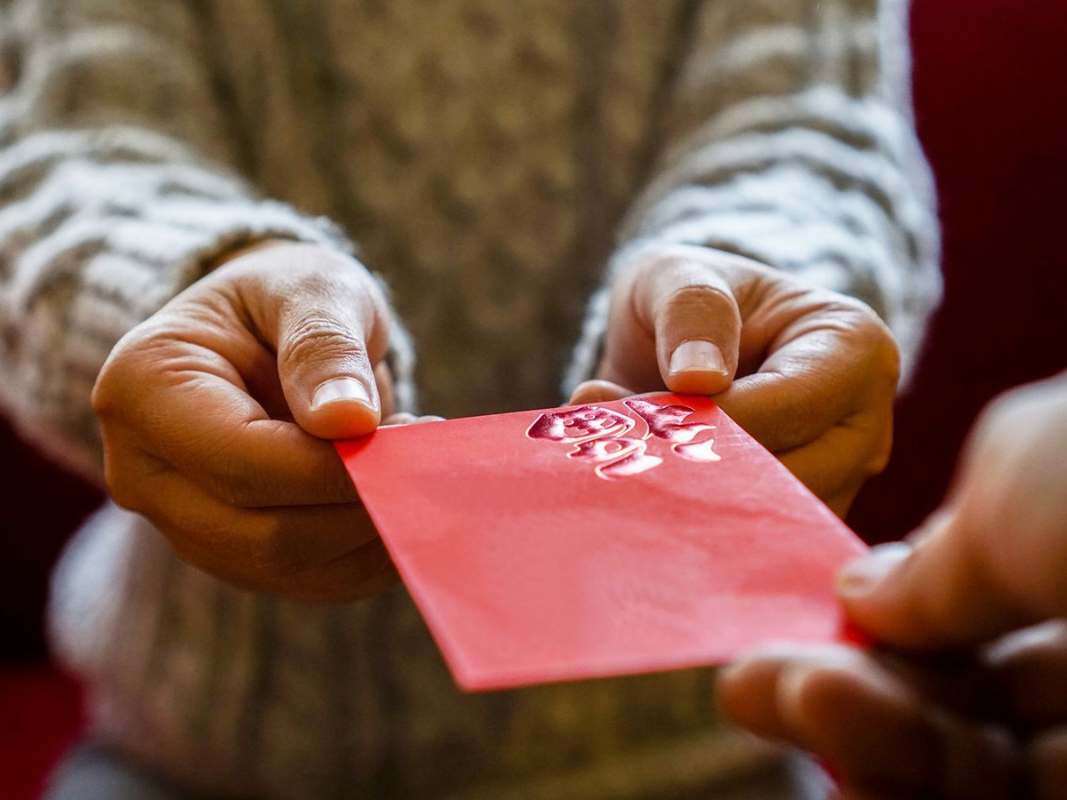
pixel 616 538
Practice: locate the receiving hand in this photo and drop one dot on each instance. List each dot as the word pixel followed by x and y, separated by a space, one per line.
pixel 966 697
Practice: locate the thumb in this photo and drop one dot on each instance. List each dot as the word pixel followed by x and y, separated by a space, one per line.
pixel 691 310
pixel 328 340
pixel 993 559
pixel 934 593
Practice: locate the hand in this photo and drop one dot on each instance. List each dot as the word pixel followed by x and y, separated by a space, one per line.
pixel 214 413
pixel 809 373
pixel 963 699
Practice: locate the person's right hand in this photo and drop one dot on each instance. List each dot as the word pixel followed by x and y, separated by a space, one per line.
pixel 216 410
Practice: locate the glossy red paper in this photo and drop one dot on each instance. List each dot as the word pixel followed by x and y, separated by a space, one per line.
pixel 616 538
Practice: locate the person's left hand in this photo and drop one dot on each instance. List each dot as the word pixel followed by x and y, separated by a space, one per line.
pixel 966 695
pixel 810 373
pixel 988 723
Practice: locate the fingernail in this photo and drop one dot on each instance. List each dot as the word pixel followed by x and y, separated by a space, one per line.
pixel 697 355
pixel 341 390
pixel 866 573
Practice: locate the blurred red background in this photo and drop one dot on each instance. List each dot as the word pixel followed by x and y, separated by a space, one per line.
pixel 991 101
pixel 991 108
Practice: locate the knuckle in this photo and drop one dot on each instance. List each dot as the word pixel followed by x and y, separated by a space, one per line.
pixel 701 297
pixel 672 267
pixel 324 280
pixel 131 368
pixel 998 419
pixel 885 358
pixel 861 318
pixel 318 338
pixel 879 460
pixel 662 263
pixel 330 276
pixel 650 262
pixel 301 260
pixel 664 258
pixel 822 686
pixel 102 398
pixel 108 392
pixel 881 354
pixel 123 491
pixel 697 304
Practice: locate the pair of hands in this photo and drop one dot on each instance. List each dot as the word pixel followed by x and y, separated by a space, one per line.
pixel 966 694
pixel 215 411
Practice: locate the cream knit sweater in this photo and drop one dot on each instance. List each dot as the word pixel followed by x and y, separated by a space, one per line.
pixel 489 158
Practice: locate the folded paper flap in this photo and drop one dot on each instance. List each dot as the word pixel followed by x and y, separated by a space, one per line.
pixel 613 538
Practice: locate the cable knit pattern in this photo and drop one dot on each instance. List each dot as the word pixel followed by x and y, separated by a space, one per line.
pixel 492 160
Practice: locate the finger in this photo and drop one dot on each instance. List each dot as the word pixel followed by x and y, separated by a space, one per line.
pixel 830 363
pixel 327 320
pixel 839 461
pixel 1049 764
pixel 1025 676
pixel 692 313
pixel 937 594
pixel 992 560
pixel 746 691
pixel 252 547
pixel 200 418
pixel 356 575
pixel 750 690
pixel 833 701
pixel 597 391
pixel 326 369
pixel 938 600
pixel 1016 681
pixel 875 730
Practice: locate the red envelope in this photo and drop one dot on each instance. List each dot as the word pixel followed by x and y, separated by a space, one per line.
pixel 616 538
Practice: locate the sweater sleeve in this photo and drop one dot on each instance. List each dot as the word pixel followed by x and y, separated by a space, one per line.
pixel 788 138
pixel 116 190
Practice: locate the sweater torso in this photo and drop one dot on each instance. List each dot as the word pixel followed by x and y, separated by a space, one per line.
pixel 482 155
pixel 479 153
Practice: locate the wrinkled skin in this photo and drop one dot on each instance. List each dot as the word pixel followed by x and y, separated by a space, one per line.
pixel 215 412
pixel 809 373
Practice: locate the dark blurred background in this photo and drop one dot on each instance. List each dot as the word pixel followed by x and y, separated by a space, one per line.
pixel 991 109
pixel 991 104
